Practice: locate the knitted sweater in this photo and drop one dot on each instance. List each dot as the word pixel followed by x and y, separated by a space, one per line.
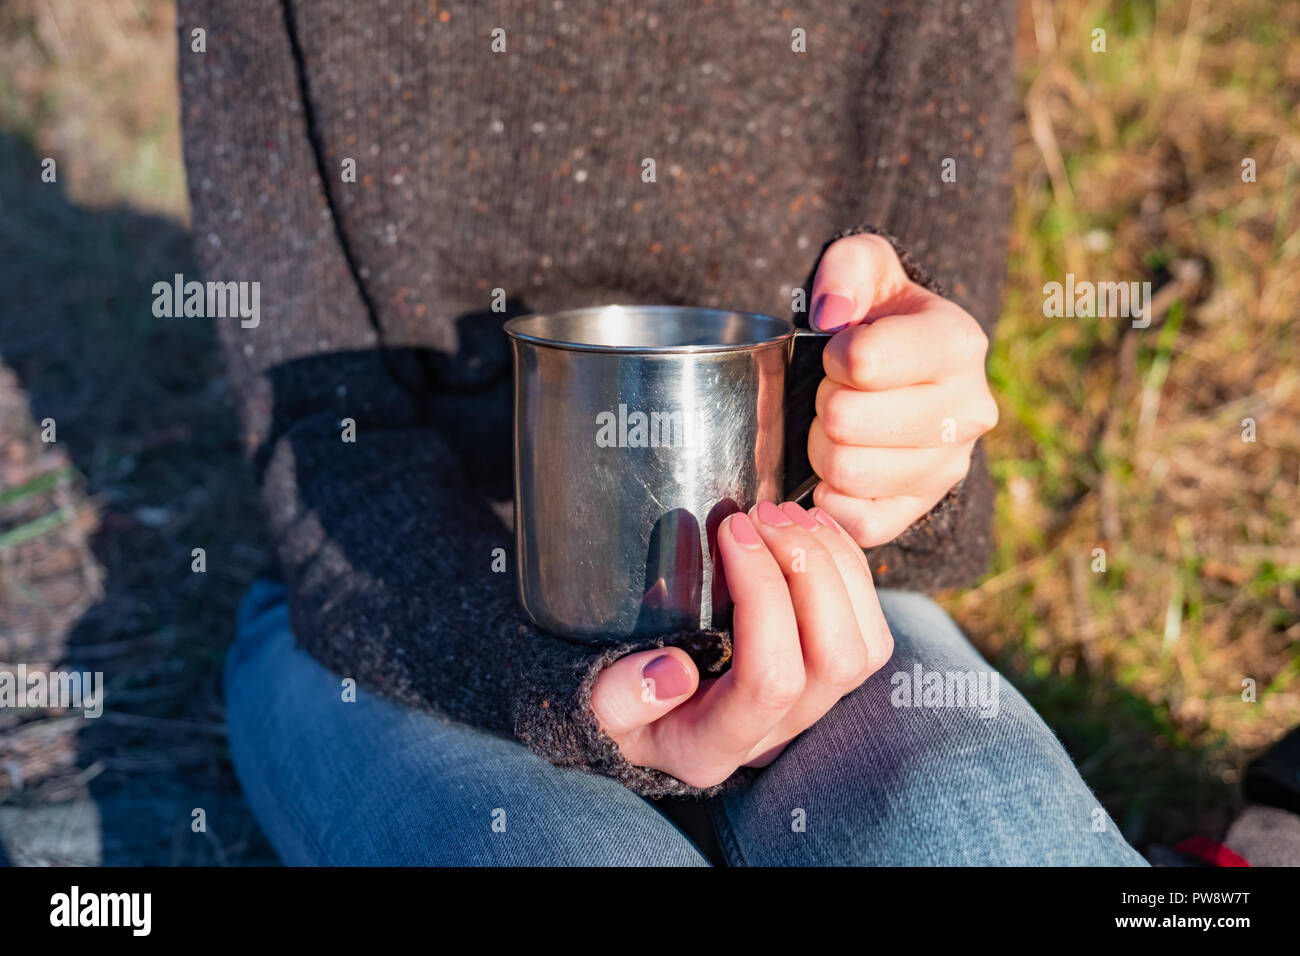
pixel 390 171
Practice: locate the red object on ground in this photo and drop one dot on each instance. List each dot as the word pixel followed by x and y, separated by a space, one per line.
pixel 1216 854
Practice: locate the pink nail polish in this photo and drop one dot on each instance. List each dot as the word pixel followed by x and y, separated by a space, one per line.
pixel 665 678
pixel 824 518
pixel 832 312
pixel 769 513
pixel 827 520
pixel 742 529
pixel 801 517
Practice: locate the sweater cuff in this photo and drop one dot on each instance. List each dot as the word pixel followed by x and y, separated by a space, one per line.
pixel 553 715
pixel 952 542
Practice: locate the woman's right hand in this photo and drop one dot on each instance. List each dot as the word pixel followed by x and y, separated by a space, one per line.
pixel 807 629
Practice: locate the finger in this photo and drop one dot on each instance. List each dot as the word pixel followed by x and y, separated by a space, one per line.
pixel 856 275
pixel 834 654
pixel 638 689
pixel 856 573
pixel 916 416
pixel 936 340
pixel 886 472
pixel 873 522
pixel 856 552
pixel 767 673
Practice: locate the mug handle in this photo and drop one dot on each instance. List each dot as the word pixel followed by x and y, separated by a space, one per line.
pixel 803 374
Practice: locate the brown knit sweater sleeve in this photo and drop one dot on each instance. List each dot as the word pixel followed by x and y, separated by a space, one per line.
pixel 389 545
pixel 373 385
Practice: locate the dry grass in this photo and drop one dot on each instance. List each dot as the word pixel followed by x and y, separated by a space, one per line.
pixel 96 529
pixel 1128 166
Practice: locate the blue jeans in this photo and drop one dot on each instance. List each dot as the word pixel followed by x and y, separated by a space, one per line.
pixel 898 773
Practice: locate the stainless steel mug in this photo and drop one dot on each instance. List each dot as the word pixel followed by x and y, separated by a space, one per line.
pixel 637 429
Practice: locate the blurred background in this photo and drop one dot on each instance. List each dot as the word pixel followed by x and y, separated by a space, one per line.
pixel 1128 165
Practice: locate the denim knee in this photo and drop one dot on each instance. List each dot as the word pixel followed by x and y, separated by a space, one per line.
pixel 935 760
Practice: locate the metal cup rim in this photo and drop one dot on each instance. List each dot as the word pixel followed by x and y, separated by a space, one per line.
pixel 513 328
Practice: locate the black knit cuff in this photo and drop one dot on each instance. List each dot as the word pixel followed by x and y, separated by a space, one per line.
pixel 553 709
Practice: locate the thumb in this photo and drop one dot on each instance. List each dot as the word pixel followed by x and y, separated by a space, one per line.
pixel 856 279
pixel 639 689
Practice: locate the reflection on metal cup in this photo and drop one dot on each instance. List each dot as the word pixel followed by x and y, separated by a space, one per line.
pixel 638 429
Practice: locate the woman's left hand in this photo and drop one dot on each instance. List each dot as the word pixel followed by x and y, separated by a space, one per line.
pixel 905 395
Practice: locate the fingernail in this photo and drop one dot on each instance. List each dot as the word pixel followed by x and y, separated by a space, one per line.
pixel 827 520
pixel 742 529
pixel 769 513
pixel 801 517
pixel 665 678
pixel 832 312
pixel 824 518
